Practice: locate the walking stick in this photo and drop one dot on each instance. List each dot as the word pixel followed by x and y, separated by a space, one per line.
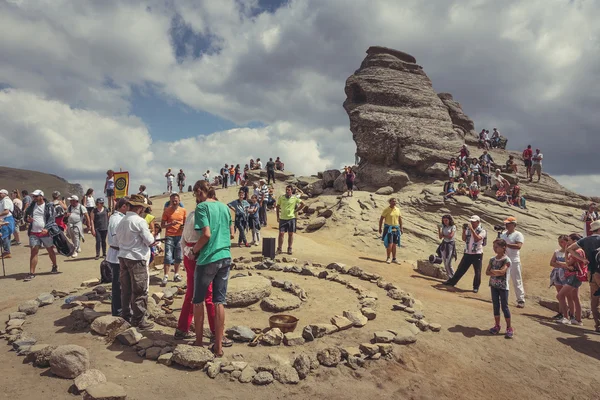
pixel 3 270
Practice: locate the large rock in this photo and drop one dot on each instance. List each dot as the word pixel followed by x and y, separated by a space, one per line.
pixel 42 358
pixel 280 302
pixel 248 290
pixel 240 334
pixel 191 356
pixel 329 177
pixel 29 307
pixel 105 391
pixel 129 337
pixel 396 118
pixel 386 190
pixel 69 361
pixel 107 323
pixel 329 357
pixel 458 117
pixel 274 337
pixel 316 224
pixel 356 318
pixel 45 299
pixel 89 378
pixel 433 270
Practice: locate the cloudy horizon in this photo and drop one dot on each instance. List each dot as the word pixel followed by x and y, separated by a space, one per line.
pixel 145 86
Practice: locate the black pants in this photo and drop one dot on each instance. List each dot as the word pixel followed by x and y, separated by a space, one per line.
pixel 463 267
pixel 262 213
pixel 241 226
pixel 270 175
pixel 225 181
pixel 101 242
pixel 116 290
pixel 500 296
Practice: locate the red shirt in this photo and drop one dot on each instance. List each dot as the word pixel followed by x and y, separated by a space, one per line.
pixel 527 154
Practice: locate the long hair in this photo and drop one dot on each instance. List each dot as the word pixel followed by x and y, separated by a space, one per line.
pixel 89 192
pixel 17 194
pixel 450 219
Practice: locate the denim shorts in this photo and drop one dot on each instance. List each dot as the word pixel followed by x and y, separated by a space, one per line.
pixel 40 241
pixel 173 250
pixel 216 273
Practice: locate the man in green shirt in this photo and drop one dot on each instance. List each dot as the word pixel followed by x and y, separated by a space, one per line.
pixel 287 208
pixel 213 260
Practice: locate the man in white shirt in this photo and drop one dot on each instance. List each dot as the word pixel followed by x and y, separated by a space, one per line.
pixel 112 255
pixel 134 240
pixel 536 165
pixel 474 237
pixel 263 200
pixel 499 181
pixel 514 241
pixel 6 209
pixel 76 214
pixel 42 218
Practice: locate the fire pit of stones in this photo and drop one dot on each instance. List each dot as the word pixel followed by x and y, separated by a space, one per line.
pixel 251 287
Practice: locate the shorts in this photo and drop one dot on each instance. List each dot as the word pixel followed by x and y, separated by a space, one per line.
pixel 528 163
pixel 110 192
pixel 216 273
pixel 557 277
pixel 173 250
pixel 349 185
pixel 536 168
pixel 287 225
pixel 394 237
pixel 573 281
pixel 40 241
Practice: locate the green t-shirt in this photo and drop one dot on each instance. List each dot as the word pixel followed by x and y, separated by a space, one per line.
pixel 216 216
pixel 287 207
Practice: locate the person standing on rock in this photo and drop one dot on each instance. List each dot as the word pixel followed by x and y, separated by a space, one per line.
pixel 112 255
pixel 536 167
pixel 527 156
pixel 212 252
pixel 590 247
pixel 170 176
pixel 172 221
pixel 350 176
pixel 474 237
pixel 589 216
pixel 447 249
pixel 133 238
pixel 514 241
pixel 41 218
pixel 270 171
pixel 181 180
pixel 391 230
pixel 287 209
pixel 264 202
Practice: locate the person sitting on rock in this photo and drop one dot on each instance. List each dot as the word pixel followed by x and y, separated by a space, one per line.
pixel 449 190
pixel 511 165
pixel 515 198
pixel 452 168
pixel 495 142
pixel 475 171
pixel 474 190
pixel 485 174
pixel 501 194
pixel 464 171
pixel 463 188
pixel 498 181
pixel 487 157
pixel 251 164
pixel 464 153
pixel 279 165
pixel 484 140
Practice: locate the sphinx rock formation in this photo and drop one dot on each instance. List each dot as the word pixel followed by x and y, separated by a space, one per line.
pixel 401 127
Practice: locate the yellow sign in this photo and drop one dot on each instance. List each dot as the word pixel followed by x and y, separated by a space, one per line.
pixel 121 184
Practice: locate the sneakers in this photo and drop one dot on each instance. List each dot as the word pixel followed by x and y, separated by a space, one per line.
pixel 74 255
pixel 165 279
pixel 181 335
pixel 54 269
pixel 256 243
pixel 510 332
pixel 29 278
pixel 521 304
pixel 565 321
pixel 558 317
pixel 395 261
pixel 289 251
pixel 389 260
pixel 475 290
pixel 279 251
pixel 177 278
pixel 575 322
pixel 97 257
pixel 248 245
pixel 495 330
pixel 145 325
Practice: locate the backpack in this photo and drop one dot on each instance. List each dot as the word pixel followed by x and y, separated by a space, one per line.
pixel 17 213
pixel 105 272
pixel 62 244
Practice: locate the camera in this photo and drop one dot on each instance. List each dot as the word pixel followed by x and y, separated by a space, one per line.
pixel 465 226
pixel 499 228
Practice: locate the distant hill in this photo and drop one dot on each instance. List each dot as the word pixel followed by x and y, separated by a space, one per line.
pixel 13 178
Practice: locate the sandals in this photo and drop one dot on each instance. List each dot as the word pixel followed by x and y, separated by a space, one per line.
pixel 217 355
pixel 226 342
pixel 167 309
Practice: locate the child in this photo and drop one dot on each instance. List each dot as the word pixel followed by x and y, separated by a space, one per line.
pixel 253 222
pixel 501 194
pixel 452 168
pixel 496 270
pixel 474 190
pixel 206 176
pixel 463 189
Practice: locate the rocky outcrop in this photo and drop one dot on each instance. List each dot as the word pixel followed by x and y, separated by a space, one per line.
pixel 397 120
pixel 459 119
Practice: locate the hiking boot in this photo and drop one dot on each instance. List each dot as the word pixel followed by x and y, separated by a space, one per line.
pixel 521 304
pixel 54 269
pixel 145 325
pixel 509 333
pixel 97 257
pixel 177 278
pixel 74 255
pixel 29 278
pixel 495 330
pixel 558 317
pixel 165 279
pixel 181 335
pixel 248 245
pixel 475 290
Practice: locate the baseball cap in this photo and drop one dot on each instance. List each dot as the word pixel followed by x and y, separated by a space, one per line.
pixel 594 226
pixel 100 200
pixel 510 220
pixel 37 193
pixel 475 218
pixel 74 197
pixel 4 191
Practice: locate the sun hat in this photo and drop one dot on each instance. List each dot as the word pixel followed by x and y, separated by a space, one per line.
pixel 37 193
pixel 4 191
pixel 510 220
pixel 74 197
pixel 475 218
pixel 137 200
pixel 594 226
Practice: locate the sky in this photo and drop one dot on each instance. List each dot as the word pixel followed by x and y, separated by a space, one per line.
pixel 88 86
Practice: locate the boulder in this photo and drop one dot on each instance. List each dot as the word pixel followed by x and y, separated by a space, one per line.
pixel 369 313
pixel 329 357
pixel 356 317
pixel 105 391
pixel 213 369
pixel 458 117
pixel 368 349
pixel 383 337
pixel 434 270
pixel 385 191
pixel 69 361
pixel 315 331
pixel 45 299
pixel 329 177
pixel 30 307
pixel 17 315
pixel 341 323
pixel 42 358
pixel 106 323
pixel 316 224
pixel 280 302
pixel 244 291
pixel 316 188
pixel 129 337
pixel 191 356
pixel 247 375
pixel 273 337
pixel 262 378
pixel 240 334
pixel 286 374
pixel 165 359
pixel 89 378
pixel 293 339
pixel 405 336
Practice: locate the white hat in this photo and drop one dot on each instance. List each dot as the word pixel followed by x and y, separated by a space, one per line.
pixel 73 198
pixel 4 191
pixel 475 218
pixel 37 193
pixel 594 226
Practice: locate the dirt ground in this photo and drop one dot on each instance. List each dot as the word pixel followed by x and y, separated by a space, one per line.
pixel 463 361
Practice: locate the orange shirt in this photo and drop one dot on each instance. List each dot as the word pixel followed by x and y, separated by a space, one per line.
pixel 179 215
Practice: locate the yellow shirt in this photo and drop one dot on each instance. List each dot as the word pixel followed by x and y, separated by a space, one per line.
pixel 392 216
